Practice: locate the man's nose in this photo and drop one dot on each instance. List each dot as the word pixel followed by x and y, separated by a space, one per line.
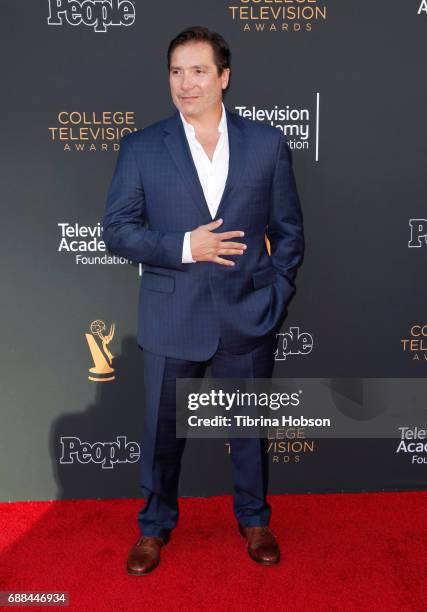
pixel 187 82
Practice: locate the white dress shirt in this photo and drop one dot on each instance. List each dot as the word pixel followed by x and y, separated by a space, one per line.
pixel 212 174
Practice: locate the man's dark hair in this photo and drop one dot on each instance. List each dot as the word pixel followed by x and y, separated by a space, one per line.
pixel 221 51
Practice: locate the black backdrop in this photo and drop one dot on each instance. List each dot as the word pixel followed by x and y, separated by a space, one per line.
pixel 350 77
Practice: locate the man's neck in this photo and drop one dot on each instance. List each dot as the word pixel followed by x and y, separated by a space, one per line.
pixel 208 121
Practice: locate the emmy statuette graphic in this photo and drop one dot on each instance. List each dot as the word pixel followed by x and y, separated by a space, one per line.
pixel 102 357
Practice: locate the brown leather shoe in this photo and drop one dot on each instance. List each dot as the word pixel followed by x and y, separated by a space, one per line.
pixel 144 556
pixel 262 544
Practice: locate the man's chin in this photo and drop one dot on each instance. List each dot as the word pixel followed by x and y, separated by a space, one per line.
pixel 189 111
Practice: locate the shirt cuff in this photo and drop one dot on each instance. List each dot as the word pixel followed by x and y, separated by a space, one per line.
pixel 186 249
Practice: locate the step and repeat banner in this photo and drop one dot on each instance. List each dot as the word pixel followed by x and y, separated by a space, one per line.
pixel 345 81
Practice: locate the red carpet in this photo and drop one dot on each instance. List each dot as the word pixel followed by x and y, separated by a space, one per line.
pixel 363 551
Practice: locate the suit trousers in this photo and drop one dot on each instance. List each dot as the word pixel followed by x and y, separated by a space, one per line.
pixel 162 450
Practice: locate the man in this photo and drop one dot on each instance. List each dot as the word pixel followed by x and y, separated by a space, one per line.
pixel 193 197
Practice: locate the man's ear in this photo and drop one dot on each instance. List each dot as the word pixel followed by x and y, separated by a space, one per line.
pixel 225 77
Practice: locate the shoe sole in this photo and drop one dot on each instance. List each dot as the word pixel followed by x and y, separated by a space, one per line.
pixel 261 562
pixel 132 572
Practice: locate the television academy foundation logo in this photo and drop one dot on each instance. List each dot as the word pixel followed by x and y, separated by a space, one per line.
pixel 81 131
pixel 278 16
pixel 416 345
pixel 293 342
pixel 293 122
pixel 413 444
pixel 96 14
pixel 98 342
pixel 85 243
pixel 300 124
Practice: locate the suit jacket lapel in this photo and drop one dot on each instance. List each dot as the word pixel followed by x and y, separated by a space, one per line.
pixel 177 145
pixel 236 163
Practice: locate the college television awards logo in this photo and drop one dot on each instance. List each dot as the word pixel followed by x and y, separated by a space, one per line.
pixel 91 131
pixel 288 444
pixel 416 344
pixel 277 15
pixel 96 14
pixel 98 342
pixel 285 445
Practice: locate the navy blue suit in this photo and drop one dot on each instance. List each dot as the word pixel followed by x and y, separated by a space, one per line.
pixel 198 312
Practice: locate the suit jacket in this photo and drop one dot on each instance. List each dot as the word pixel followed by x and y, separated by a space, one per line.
pixel 155 197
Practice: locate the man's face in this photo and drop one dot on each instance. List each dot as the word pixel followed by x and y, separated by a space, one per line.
pixel 195 84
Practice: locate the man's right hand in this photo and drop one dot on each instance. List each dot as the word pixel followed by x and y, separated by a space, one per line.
pixel 207 246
